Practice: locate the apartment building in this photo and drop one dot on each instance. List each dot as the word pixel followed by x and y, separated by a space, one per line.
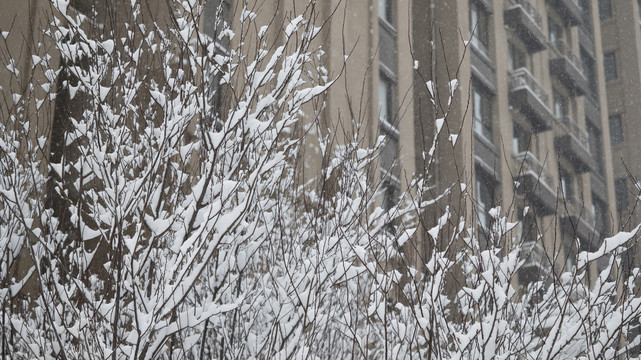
pixel 621 36
pixel 535 127
pixel 533 117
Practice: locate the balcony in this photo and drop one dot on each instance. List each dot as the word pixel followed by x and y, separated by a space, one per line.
pixel 565 65
pixel 536 264
pixel 528 95
pixel 570 11
pixel 579 222
pixel 535 256
pixel 534 182
pixel 521 16
pixel 572 143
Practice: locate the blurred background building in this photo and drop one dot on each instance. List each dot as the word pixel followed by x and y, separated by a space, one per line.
pixel 545 117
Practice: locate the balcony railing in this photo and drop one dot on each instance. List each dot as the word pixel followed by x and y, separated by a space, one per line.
pixel 572 128
pixel 529 162
pixel 561 48
pixel 521 78
pixel 529 9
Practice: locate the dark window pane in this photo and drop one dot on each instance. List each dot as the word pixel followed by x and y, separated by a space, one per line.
pixel 596 147
pixel 386 99
pixel 567 186
pixel 589 71
pixel 605 9
pixel 587 18
pixel 560 105
pixel 484 199
pixel 610 66
pixel 555 32
pixel 601 216
pixel 479 27
pixel 616 130
pixel 520 140
pixel 621 194
pixel 482 111
pixel 516 57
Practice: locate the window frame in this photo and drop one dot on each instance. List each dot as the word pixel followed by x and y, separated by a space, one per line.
pixel 484 203
pixel 560 104
pixel 566 183
pixel 479 20
pixel 389 85
pixel 555 31
pixel 482 111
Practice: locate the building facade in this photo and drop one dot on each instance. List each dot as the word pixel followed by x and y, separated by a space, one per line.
pixel 541 114
pixel 621 36
pixel 533 114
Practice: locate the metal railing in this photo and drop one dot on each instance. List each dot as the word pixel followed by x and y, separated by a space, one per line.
pixel 521 78
pixel 575 130
pixel 562 48
pixel 529 9
pixel 529 162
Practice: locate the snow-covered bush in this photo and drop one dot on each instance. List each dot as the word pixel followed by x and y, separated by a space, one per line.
pixel 164 216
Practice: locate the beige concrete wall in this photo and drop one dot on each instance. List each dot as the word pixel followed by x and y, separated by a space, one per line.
pixel 621 34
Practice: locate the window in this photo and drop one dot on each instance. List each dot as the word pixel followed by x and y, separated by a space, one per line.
pixel 570 258
pixel 560 105
pixel 600 211
pixel 605 9
pixel 555 31
pixel 389 152
pixel 527 225
pixel 589 71
pixel 482 111
pixel 216 14
pixel 484 199
pixel 567 189
pixel 385 10
pixel 520 140
pixel 595 144
pixel 621 194
pixel 616 129
pixel 389 196
pixel 517 58
pixel 587 18
pixel 610 66
pixel 385 99
pixel 479 27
